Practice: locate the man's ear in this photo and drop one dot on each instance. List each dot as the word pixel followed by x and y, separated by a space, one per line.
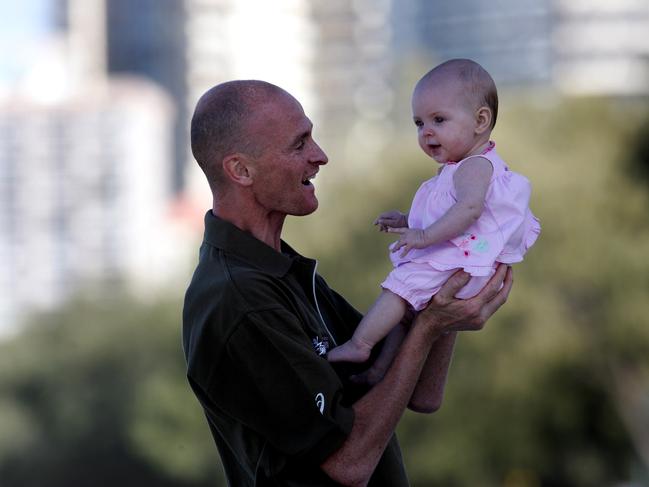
pixel 237 169
pixel 483 119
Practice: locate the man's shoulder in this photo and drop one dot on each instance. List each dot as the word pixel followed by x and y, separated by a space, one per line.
pixel 220 278
pixel 223 296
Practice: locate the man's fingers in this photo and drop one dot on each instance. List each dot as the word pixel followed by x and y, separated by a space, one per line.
pixel 493 286
pixel 451 287
pixel 501 296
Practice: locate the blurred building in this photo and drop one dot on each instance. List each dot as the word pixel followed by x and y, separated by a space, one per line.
pixel 82 187
pixel 601 47
pixel 147 38
pixel 576 46
pixel 84 175
pixel 511 38
pixel 353 67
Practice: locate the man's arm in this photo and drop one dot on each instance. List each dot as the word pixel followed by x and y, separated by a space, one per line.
pixel 429 391
pixel 378 412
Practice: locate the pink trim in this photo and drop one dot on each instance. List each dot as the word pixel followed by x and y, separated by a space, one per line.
pixel 489 148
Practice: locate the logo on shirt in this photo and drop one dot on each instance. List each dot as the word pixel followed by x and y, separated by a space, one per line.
pixel 320 402
pixel 321 345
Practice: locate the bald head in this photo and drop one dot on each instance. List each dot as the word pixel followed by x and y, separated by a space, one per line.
pixel 477 83
pixel 221 120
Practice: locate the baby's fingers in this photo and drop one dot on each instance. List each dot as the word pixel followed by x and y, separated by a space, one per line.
pixel 406 249
pixel 383 222
pixel 397 245
pixel 399 230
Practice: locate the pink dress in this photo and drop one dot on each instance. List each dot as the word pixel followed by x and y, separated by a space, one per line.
pixel 503 233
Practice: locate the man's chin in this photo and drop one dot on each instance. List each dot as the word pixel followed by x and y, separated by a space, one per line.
pixel 306 210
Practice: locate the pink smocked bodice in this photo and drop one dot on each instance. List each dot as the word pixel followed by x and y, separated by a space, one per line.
pixel 503 233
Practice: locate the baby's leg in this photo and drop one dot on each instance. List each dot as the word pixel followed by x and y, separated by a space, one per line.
pixel 384 314
pixel 375 373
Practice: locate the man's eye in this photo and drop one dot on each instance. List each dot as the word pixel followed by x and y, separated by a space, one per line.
pixel 300 145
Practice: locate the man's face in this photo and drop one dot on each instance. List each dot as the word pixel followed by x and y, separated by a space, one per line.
pixel 289 158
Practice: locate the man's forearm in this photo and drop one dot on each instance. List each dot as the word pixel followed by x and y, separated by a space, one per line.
pixel 429 391
pixel 378 412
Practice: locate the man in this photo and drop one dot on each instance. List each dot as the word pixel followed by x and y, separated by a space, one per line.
pixel 258 320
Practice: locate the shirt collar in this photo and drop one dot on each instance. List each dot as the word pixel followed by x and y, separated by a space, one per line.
pixel 228 237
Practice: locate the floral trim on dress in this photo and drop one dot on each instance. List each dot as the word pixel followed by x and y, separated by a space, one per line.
pixel 471 242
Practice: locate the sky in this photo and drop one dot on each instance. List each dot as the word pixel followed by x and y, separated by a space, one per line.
pixel 23 25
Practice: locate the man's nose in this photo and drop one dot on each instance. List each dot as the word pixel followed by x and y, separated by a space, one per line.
pixel 318 156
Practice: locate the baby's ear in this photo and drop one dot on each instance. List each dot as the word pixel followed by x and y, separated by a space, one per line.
pixel 483 120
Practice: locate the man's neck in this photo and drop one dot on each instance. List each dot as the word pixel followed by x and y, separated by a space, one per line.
pixel 264 226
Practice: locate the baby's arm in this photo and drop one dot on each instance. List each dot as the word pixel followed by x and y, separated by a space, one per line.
pixel 471 182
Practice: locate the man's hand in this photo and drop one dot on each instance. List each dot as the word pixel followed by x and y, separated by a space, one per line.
pixel 448 314
pixel 391 219
pixel 411 238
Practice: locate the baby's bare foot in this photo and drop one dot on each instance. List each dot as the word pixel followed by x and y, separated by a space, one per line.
pixel 350 351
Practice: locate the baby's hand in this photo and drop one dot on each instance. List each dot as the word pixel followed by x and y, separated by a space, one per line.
pixel 411 238
pixel 391 219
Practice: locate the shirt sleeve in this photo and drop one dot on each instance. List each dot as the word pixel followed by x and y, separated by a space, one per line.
pixel 271 380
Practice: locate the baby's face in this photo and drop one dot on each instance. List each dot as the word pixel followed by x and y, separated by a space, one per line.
pixel 446 121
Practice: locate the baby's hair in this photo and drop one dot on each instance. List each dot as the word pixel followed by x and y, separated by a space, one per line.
pixel 478 81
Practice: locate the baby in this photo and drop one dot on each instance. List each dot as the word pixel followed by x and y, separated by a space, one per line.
pixel 473 215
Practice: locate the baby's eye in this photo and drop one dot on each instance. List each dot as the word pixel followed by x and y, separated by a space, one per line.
pixel 438 119
pixel 419 123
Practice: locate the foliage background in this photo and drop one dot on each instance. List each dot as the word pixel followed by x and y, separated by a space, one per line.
pixel 554 391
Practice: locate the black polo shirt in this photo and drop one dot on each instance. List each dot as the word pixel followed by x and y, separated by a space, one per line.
pixel 256 326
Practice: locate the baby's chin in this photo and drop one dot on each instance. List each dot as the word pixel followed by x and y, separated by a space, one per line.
pixel 438 159
pixel 435 153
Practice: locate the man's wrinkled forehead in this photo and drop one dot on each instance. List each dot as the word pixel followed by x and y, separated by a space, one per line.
pixel 277 120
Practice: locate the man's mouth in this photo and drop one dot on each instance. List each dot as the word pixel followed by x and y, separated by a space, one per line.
pixel 307 181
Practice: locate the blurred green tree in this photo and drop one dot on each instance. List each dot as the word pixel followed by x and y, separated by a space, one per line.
pixel 95 394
